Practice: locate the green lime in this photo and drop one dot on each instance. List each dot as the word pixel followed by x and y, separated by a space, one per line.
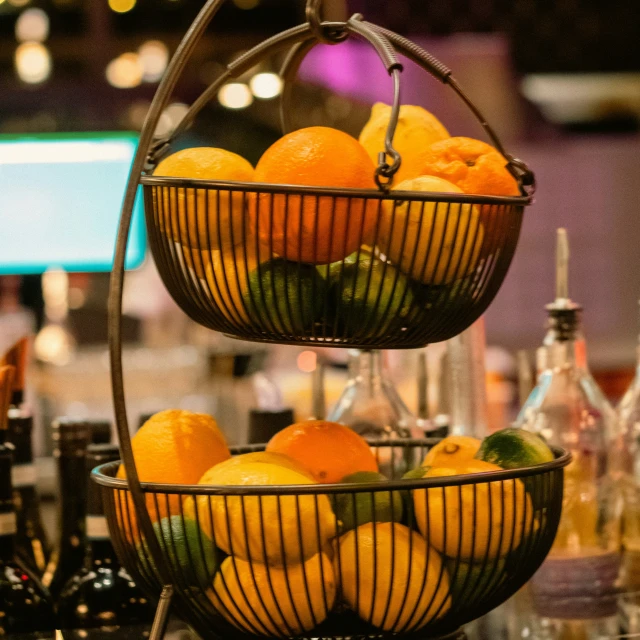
pixel 514 448
pixel 355 509
pixel 189 550
pixel 407 498
pixel 284 296
pixel 478 580
pixel 369 293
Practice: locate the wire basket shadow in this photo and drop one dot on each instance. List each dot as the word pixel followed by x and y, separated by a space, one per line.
pixel 334 267
pixel 376 560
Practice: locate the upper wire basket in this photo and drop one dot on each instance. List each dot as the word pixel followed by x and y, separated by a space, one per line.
pixel 410 558
pixel 336 267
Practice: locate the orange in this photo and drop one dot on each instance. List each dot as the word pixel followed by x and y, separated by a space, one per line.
pixel 172 447
pixel 203 218
pixel 474 166
pixel 330 451
pixel 306 228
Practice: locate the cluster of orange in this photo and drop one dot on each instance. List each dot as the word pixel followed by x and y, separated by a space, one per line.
pixel 323 230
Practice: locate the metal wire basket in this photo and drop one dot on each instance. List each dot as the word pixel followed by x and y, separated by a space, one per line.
pixel 339 267
pixel 406 558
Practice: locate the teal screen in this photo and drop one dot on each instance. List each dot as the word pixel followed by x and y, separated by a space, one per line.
pixel 60 202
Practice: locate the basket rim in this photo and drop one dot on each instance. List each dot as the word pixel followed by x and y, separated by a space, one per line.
pixel 371 194
pixel 561 460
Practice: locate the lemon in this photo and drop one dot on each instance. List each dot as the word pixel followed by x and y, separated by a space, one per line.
pixel 417 129
pixel 203 218
pixel 391 577
pixel 227 273
pixel 268 528
pixel 434 243
pixel 275 601
pixel 479 520
pixel 269 457
pixel 452 451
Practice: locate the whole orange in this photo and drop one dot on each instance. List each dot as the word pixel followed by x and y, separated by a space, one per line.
pixel 172 447
pixel 307 228
pixel 474 166
pixel 330 451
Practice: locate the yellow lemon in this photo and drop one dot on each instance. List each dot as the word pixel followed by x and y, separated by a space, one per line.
pixel 271 529
pixel 479 520
pixel 452 451
pixel 203 218
pixel 434 243
pixel 268 457
pixel 227 274
pixel 417 129
pixel 275 601
pixel 391 577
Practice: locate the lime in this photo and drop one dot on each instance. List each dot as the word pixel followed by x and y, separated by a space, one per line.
pixel 188 550
pixel 476 580
pixel 284 296
pixel 514 448
pixel 407 498
pixel 369 293
pixel 355 509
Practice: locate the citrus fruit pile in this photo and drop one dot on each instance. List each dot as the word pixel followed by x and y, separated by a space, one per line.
pixel 286 261
pixel 277 557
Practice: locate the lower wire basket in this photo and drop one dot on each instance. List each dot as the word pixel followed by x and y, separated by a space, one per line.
pixel 405 558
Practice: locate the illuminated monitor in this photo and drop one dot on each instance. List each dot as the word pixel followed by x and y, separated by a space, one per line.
pixel 60 202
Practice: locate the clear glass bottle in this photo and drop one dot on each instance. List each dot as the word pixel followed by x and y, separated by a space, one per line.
pixel 25 606
pixel 629 420
pixel 371 406
pixel 101 594
pixel 569 410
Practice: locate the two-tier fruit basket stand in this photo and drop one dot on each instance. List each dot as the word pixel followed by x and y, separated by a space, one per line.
pixel 468 542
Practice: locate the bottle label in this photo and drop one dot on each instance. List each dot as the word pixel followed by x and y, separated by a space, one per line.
pixel 7 524
pixel 97 528
pixel 23 475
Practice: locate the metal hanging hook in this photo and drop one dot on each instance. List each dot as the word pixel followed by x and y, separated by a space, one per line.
pixel 314 18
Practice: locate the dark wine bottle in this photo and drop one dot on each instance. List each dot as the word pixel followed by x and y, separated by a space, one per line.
pixel 31 539
pixel 71 439
pixel 25 605
pixel 102 594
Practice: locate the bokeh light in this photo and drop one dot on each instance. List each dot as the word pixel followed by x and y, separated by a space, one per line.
pixel 32 26
pixel 19 3
pixel 307 361
pixel 154 57
pixel 266 85
pixel 125 72
pixel 33 62
pixel 122 6
pixel 235 95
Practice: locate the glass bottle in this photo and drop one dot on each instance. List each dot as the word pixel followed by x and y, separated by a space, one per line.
pixel 629 420
pixel 101 594
pixel 31 540
pixel 372 407
pixel 25 606
pixel 569 410
pixel 71 439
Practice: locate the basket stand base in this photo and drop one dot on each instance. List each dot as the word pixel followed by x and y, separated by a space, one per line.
pixel 161 619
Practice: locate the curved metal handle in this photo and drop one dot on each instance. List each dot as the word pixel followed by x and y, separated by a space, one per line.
pixel 160 100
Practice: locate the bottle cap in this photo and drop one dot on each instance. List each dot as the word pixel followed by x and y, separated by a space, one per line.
pixel 265 424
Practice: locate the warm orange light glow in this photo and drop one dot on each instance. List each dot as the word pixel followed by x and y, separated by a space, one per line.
pixel 307 361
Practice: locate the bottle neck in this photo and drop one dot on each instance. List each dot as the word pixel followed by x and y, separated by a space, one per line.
pixel 366 367
pixel 7 530
pixel 564 343
pixel 73 487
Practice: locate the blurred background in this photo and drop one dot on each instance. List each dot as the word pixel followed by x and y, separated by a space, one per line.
pixel 559 80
